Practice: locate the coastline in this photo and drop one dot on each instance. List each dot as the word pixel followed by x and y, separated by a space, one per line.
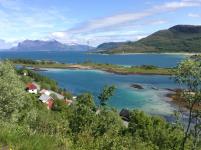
pixel 115 69
pixel 45 67
pixel 175 96
pixel 154 53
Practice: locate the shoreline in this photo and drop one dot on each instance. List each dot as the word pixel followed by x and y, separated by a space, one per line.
pixel 158 53
pixel 170 92
pixel 119 70
pixel 174 95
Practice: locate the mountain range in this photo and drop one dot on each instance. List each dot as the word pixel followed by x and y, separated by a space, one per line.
pixel 179 38
pixel 53 45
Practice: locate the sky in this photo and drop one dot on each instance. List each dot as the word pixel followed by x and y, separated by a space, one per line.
pixel 91 21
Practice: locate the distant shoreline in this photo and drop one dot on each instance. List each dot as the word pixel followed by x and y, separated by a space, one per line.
pixel 166 53
pixel 135 70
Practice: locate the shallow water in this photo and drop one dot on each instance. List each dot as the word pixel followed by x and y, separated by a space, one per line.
pixel 150 99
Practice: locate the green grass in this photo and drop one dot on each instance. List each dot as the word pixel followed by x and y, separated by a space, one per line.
pixel 131 70
pixel 56 65
pixel 19 137
pixel 176 39
pixel 109 68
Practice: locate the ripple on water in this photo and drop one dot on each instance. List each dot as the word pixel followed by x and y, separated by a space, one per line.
pixel 148 100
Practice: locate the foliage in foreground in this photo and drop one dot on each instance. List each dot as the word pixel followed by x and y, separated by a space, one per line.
pixel 188 75
pixel 77 127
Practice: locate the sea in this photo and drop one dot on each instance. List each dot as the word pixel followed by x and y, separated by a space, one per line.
pixel 151 99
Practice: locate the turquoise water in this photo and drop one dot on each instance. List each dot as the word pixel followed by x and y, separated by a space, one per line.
pixel 151 99
pixel 162 60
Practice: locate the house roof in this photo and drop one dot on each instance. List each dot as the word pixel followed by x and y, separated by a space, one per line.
pixel 44 98
pixel 44 91
pixel 31 86
pixel 37 85
pixel 59 96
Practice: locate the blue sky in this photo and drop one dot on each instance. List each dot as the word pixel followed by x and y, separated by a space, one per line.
pixel 96 21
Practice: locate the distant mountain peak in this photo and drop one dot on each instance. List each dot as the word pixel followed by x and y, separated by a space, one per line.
pixel 179 38
pixel 51 45
pixel 186 28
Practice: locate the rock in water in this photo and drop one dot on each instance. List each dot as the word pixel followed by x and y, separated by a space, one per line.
pixel 137 86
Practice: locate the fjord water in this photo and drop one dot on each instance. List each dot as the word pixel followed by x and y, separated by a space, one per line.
pixel 162 60
pixel 151 99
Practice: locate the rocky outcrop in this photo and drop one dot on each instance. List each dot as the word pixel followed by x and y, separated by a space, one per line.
pixel 125 114
pixel 137 86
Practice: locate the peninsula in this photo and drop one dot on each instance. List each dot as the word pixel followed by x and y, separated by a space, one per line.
pixel 117 69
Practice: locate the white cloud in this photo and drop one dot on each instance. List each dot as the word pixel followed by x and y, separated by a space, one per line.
pixel 134 16
pixel 155 22
pixel 46 23
pixel 121 23
pixel 194 15
pixel 110 21
pixel 6 45
pixel 59 34
pixel 179 4
pixel 19 20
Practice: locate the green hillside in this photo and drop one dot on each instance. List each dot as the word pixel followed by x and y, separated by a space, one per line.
pixel 27 124
pixel 180 38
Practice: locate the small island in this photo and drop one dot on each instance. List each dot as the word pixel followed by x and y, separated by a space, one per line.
pixel 111 68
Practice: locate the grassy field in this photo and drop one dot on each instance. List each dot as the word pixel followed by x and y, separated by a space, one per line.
pixel 150 70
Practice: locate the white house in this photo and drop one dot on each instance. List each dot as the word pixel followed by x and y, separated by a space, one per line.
pixel 44 91
pixel 31 88
pixel 44 98
pixel 48 100
pixel 59 96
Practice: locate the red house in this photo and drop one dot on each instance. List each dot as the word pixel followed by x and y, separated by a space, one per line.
pixel 50 103
pixel 31 88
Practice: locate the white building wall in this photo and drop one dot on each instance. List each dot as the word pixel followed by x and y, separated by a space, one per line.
pixel 35 91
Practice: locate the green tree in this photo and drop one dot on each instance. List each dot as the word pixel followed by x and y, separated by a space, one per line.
pixel 81 120
pixel 105 95
pixel 83 114
pixel 59 105
pixel 188 75
pixel 67 95
pixel 13 98
pixel 87 100
pixel 154 130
